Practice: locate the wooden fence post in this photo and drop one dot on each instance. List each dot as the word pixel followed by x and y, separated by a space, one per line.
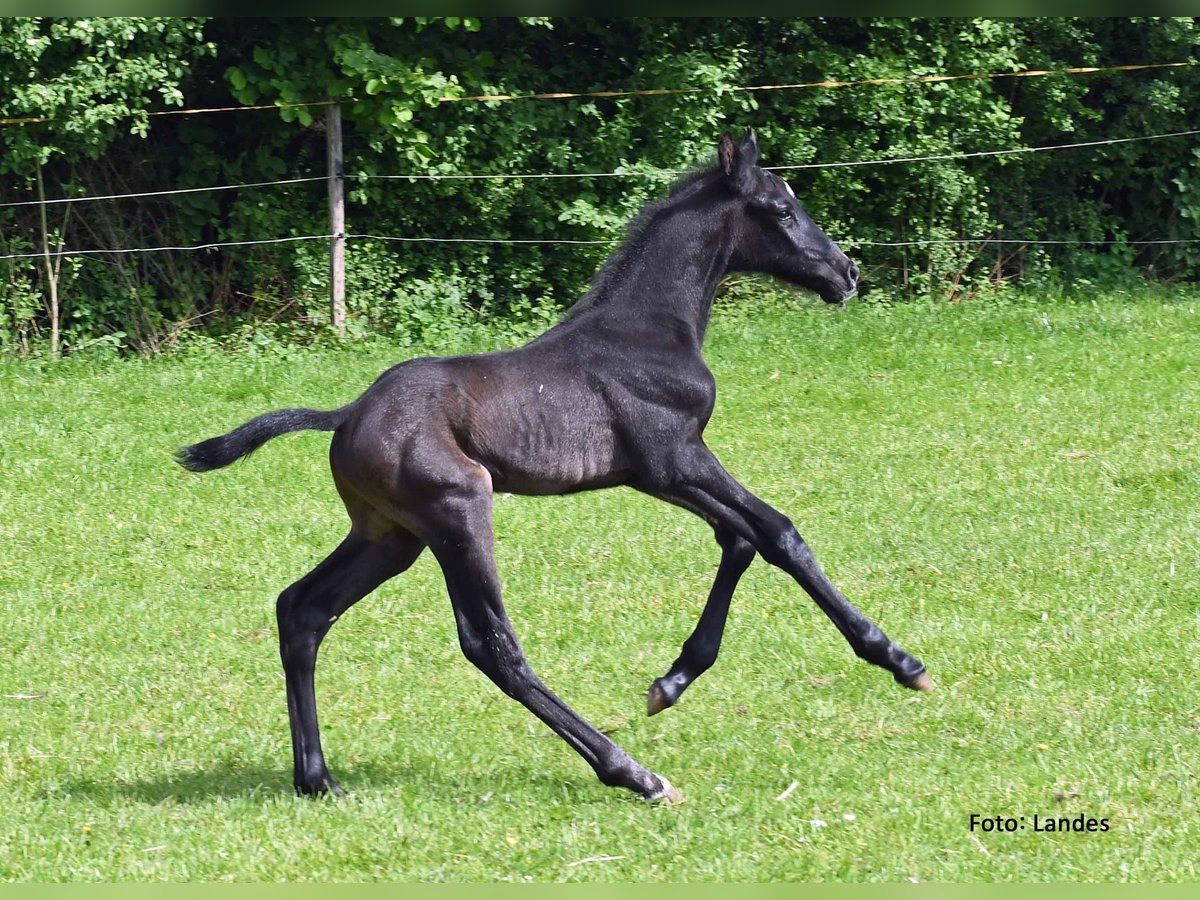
pixel 51 274
pixel 337 219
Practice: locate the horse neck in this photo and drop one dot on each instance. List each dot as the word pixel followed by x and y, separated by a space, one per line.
pixel 665 278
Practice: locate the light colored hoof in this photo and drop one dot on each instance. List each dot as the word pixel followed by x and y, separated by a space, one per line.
pixel 921 683
pixel 669 795
pixel 656 701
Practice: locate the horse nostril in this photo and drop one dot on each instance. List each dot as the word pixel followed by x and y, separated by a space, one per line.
pixel 852 273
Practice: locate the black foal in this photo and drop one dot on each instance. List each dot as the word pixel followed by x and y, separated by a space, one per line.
pixel 616 394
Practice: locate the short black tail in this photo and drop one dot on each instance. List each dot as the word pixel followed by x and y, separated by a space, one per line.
pixel 221 451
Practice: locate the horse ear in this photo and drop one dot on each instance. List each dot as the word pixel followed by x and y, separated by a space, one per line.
pixel 728 154
pixel 750 147
pixel 734 162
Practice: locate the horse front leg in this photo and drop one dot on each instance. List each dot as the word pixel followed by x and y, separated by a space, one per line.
pixel 698 482
pixel 700 650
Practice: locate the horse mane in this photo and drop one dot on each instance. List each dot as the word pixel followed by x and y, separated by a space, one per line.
pixel 636 227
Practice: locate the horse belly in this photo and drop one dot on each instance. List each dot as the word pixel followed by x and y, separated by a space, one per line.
pixel 545 455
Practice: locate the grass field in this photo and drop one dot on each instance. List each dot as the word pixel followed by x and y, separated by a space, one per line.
pixel 1010 489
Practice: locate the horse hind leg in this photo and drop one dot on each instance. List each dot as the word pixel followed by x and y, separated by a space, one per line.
pixel 306 611
pixel 458 528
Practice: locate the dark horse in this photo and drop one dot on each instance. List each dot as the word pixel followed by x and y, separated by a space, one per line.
pixel 615 394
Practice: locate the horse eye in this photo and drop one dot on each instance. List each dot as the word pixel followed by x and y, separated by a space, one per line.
pixel 783 214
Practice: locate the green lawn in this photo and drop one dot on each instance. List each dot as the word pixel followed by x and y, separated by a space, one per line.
pixel 1010 489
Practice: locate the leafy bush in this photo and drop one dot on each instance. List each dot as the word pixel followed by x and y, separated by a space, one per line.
pixel 390 76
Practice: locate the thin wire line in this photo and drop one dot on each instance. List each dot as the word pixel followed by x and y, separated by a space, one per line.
pixel 848 242
pixel 610 241
pixel 212 246
pixel 216 109
pixel 649 174
pixel 978 153
pixel 439 240
pixel 220 187
pixel 656 92
pixel 856 243
pixel 34 120
pixel 912 79
pixel 659 173
pixel 663 173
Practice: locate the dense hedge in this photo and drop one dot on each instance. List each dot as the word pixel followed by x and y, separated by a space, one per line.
pixel 97 78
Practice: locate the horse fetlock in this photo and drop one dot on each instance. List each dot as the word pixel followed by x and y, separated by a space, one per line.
pixel 618 769
pixel 907 669
pixel 919 682
pixel 319 785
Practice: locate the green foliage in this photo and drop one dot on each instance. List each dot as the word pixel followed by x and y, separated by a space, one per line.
pixel 93 79
pixel 391 75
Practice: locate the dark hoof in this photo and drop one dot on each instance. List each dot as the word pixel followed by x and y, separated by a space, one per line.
pixel 320 787
pixel 921 683
pixel 657 700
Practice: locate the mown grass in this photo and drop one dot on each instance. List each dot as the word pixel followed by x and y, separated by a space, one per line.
pixel 1011 490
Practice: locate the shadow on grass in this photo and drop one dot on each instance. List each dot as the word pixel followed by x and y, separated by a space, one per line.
pixel 266 782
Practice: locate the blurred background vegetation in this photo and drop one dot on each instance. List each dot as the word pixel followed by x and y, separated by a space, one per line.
pixel 96 81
